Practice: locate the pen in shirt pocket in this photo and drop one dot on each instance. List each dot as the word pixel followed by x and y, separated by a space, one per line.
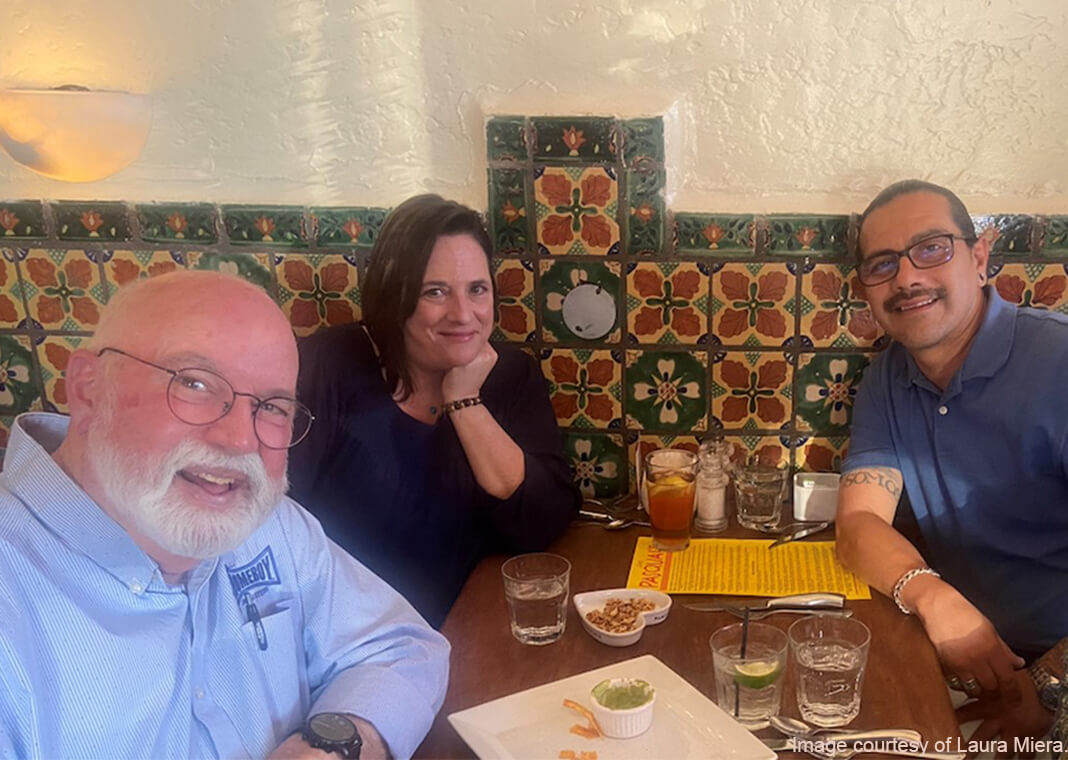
pixel 252 612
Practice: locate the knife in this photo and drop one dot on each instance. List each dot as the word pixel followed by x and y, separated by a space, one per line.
pixel 821 601
pixel 788 537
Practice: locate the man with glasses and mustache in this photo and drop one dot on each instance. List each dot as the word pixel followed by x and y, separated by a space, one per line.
pixel 159 595
pixel 967 411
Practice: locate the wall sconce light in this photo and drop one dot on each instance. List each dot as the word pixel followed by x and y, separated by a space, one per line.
pixel 74 134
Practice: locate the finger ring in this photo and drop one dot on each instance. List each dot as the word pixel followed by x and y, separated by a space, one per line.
pixel 954 683
pixel 970 685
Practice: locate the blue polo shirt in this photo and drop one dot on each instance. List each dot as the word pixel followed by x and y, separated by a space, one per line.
pixel 985 465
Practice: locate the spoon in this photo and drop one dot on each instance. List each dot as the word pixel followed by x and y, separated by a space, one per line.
pixel 620 524
pixel 801 730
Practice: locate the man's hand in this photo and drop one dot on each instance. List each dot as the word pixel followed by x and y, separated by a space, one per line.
pixel 968 646
pixel 1025 718
pixel 295 748
pixel 466 381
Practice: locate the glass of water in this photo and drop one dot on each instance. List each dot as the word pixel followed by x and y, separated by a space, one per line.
pixel 748 686
pixel 536 588
pixel 830 654
pixel 758 494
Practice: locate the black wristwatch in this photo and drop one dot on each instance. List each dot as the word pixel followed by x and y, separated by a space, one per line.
pixel 333 732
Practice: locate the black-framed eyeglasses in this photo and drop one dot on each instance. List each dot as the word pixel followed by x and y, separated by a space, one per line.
pixel 198 396
pixel 933 251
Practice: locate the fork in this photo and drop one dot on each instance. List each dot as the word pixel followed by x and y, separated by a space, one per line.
pixel 761 614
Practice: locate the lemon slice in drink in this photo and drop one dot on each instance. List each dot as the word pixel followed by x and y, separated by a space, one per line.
pixel 670 483
pixel 756 675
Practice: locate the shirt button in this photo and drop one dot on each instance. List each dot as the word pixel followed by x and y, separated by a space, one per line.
pixel 200 693
pixel 136 587
pixel 943 410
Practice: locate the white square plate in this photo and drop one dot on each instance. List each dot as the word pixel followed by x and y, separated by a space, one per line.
pixel 533 724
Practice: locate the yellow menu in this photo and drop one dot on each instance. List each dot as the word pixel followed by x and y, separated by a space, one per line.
pixel 744 567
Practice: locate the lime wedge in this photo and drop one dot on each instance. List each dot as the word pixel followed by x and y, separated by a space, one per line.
pixel 756 675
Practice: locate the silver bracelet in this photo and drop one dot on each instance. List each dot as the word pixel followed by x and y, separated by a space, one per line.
pixel 904 579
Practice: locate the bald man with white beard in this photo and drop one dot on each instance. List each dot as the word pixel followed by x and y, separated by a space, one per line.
pixel 159 595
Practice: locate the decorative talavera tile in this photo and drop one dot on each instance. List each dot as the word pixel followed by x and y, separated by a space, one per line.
pixel 585 387
pixel 123 267
pixel 21 220
pixel 259 225
pixel 506 138
pixel 598 463
pixel 770 451
pixel 63 289
pixel 833 313
pixel 91 221
pixel 749 304
pixel 706 234
pixel 643 139
pixel 821 454
pixel 12 308
pixel 645 224
pixel 826 388
pixel 640 445
pixel 667 391
pixel 1044 286
pixel 576 211
pixel 667 302
pixel 53 353
pixel 356 227
pixel 317 290
pixel 178 222
pixel 559 278
pixel 579 138
pixel 18 391
pixel 254 267
pixel 808 234
pixel 509 228
pixel 751 390
pixel 1007 233
pixel 6 424
pixel 1055 238
pixel 515 300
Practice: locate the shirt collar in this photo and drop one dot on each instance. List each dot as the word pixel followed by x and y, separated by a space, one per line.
pixel 63 507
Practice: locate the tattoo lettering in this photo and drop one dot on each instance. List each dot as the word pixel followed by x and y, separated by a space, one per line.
pixel 883 477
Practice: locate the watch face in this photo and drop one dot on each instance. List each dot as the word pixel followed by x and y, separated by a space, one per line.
pixel 332 727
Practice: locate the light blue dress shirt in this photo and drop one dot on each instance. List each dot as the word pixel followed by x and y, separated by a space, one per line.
pixel 100 658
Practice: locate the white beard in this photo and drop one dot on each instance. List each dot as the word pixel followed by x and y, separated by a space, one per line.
pixel 141 494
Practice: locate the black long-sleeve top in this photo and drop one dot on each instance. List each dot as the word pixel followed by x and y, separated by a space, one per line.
pixel 398 494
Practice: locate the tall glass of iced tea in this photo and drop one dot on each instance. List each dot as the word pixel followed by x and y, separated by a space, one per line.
pixel 670 484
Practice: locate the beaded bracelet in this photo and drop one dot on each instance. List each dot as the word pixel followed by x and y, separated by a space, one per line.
pixel 460 403
pixel 904 579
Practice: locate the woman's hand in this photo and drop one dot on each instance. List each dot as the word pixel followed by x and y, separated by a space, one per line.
pixel 466 381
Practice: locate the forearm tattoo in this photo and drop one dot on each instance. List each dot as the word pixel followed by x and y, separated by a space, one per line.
pixel 883 477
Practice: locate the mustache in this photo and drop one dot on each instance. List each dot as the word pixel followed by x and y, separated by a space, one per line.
pixel 901 296
pixel 191 453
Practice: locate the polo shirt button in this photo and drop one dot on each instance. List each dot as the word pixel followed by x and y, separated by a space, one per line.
pixel 943 410
pixel 136 587
pixel 200 694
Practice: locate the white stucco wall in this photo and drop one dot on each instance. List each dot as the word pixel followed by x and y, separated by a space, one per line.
pixel 773 105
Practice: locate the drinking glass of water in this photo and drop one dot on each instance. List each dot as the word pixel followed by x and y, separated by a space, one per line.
pixel 749 681
pixel 830 654
pixel 536 588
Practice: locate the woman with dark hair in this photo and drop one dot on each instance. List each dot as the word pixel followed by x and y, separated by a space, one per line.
pixel 430 448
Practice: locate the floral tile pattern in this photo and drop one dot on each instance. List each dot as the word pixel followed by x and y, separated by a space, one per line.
pixel 667 391
pixel 515 300
pixel 833 312
pixel 6 423
pixel 579 138
pixel 21 220
pixel 558 278
pixel 826 389
pixel 506 138
pixel 63 289
pixel 91 221
pixel 667 302
pixel 643 139
pixel 12 308
pixel 178 222
pixel 706 234
pixel 822 454
pixel 751 390
pixel 254 267
pixel 645 224
pixel 317 290
pixel 256 225
pixel 355 227
pixel 749 304
pixel 53 353
pixel 585 387
pixel 808 234
pixel 576 211
pixel 122 267
pixel 598 463
pixel 1055 239
pixel 765 449
pixel 1007 233
pixel 18 391
pixel 508 211
pixel 1043 286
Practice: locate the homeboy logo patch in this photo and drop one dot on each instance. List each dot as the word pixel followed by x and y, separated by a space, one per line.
pixel 259 573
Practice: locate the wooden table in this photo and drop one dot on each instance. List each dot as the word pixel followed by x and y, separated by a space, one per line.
pixel 903 687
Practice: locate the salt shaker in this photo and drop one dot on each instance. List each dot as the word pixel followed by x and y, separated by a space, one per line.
pixel 712 479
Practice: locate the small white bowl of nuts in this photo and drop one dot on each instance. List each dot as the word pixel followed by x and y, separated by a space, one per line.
pixel 618 616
